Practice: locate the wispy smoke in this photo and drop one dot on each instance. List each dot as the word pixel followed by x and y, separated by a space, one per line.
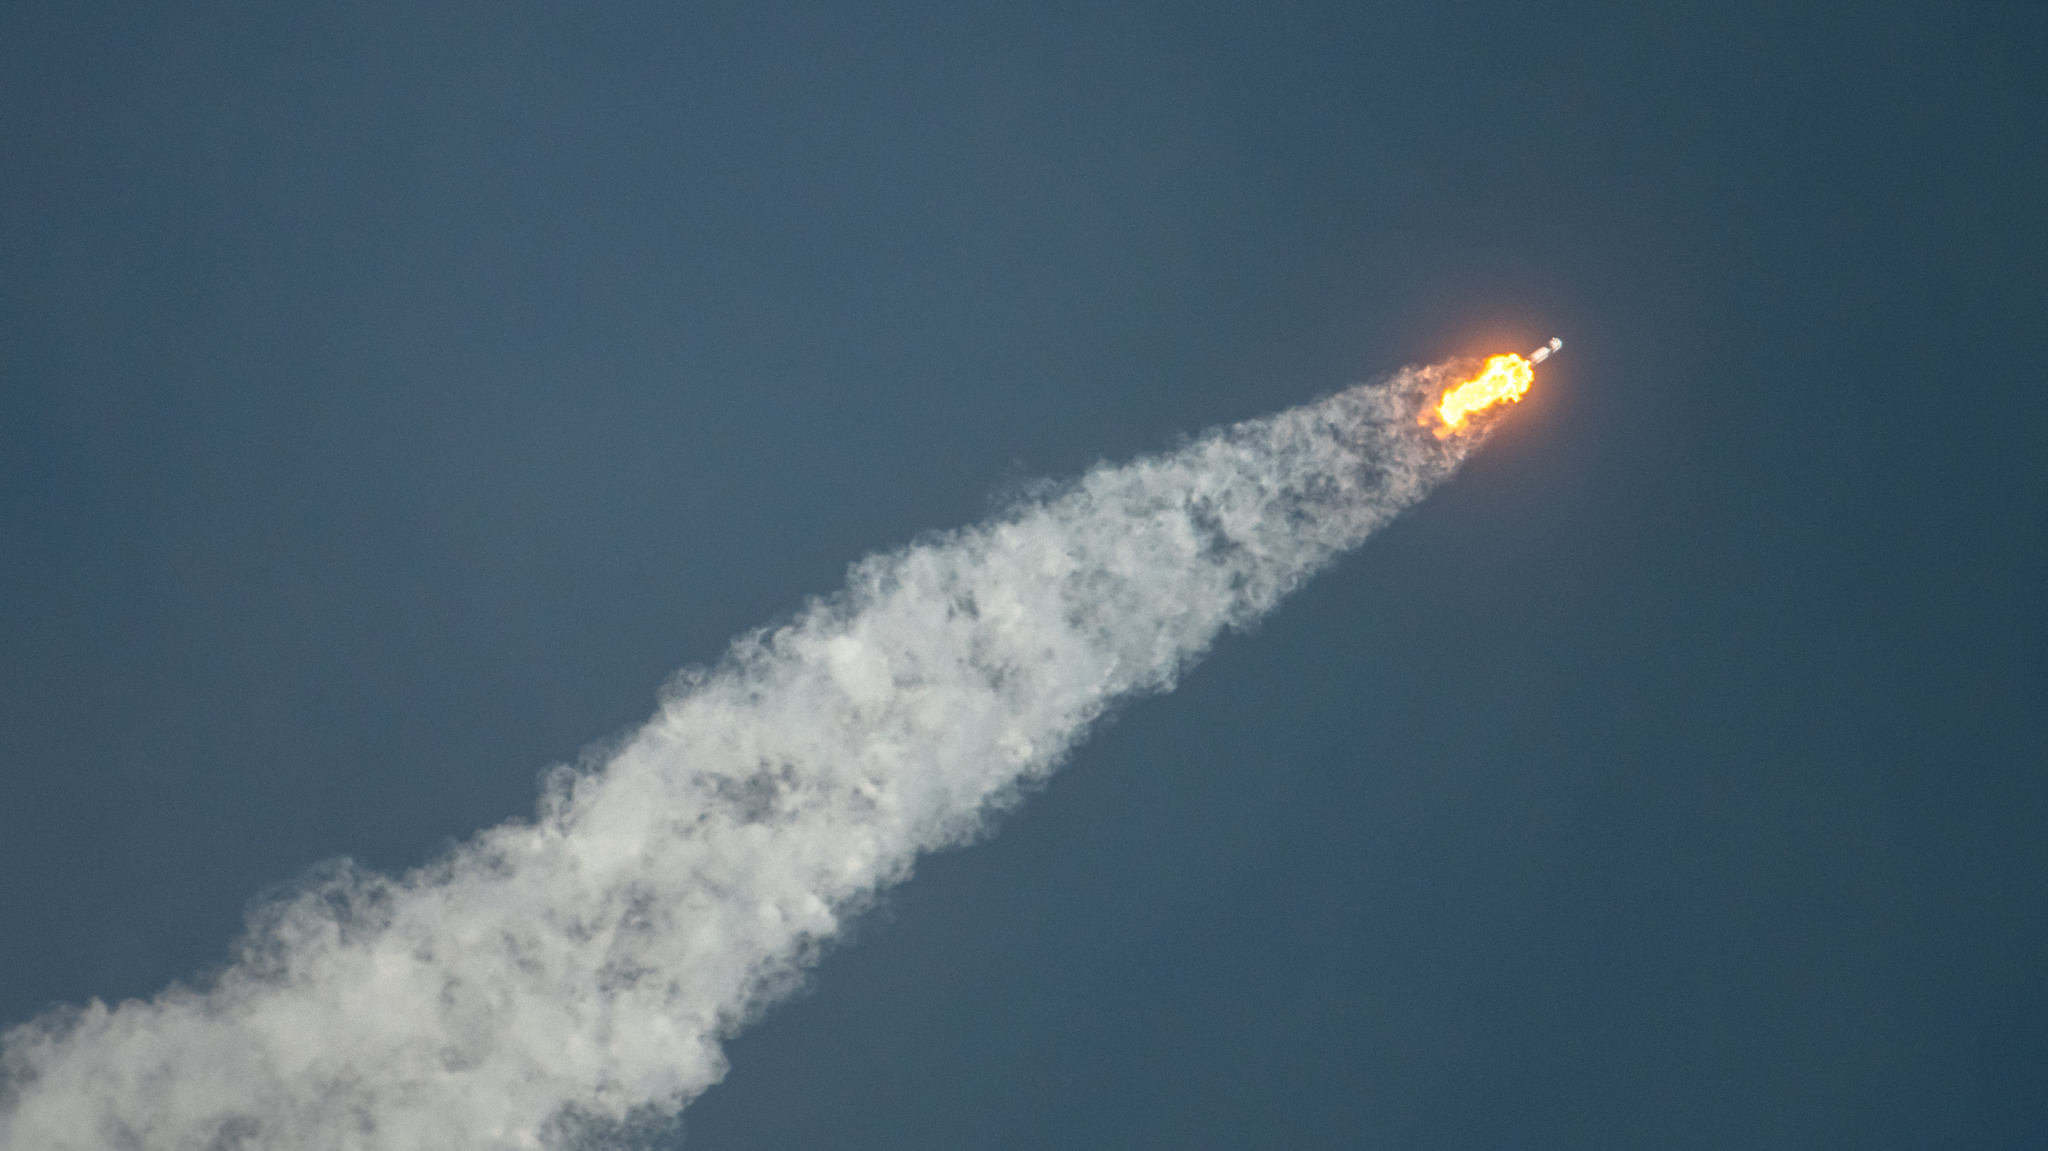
pixel 568 981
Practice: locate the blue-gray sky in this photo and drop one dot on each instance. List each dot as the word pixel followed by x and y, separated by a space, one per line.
pixel 392 396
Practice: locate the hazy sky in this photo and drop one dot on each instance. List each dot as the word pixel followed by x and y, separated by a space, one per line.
pixel 393 396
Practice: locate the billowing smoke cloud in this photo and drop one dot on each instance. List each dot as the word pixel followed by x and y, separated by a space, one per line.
pixel 568 981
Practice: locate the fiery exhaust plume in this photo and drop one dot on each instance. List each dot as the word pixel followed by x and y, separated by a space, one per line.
pixel 1503 380
pixel 568 982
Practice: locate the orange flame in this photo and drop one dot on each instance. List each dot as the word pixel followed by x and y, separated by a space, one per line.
pixel 1503 380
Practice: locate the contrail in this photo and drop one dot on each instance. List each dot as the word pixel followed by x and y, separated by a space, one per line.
pixel 568 981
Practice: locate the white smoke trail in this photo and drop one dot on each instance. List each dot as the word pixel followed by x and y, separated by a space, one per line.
pixel 567 981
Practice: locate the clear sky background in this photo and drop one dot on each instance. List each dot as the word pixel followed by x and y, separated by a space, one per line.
pixel 393 395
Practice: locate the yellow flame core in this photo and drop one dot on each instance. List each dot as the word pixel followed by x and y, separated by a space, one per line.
pixel 1503 380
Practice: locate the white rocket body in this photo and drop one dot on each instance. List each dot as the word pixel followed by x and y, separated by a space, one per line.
pixel 1543 353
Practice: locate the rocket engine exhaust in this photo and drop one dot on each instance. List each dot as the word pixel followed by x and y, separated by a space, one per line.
pixel 1504 379
pixel 568 981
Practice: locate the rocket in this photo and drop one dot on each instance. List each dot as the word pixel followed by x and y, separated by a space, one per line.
pixel 1543 353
